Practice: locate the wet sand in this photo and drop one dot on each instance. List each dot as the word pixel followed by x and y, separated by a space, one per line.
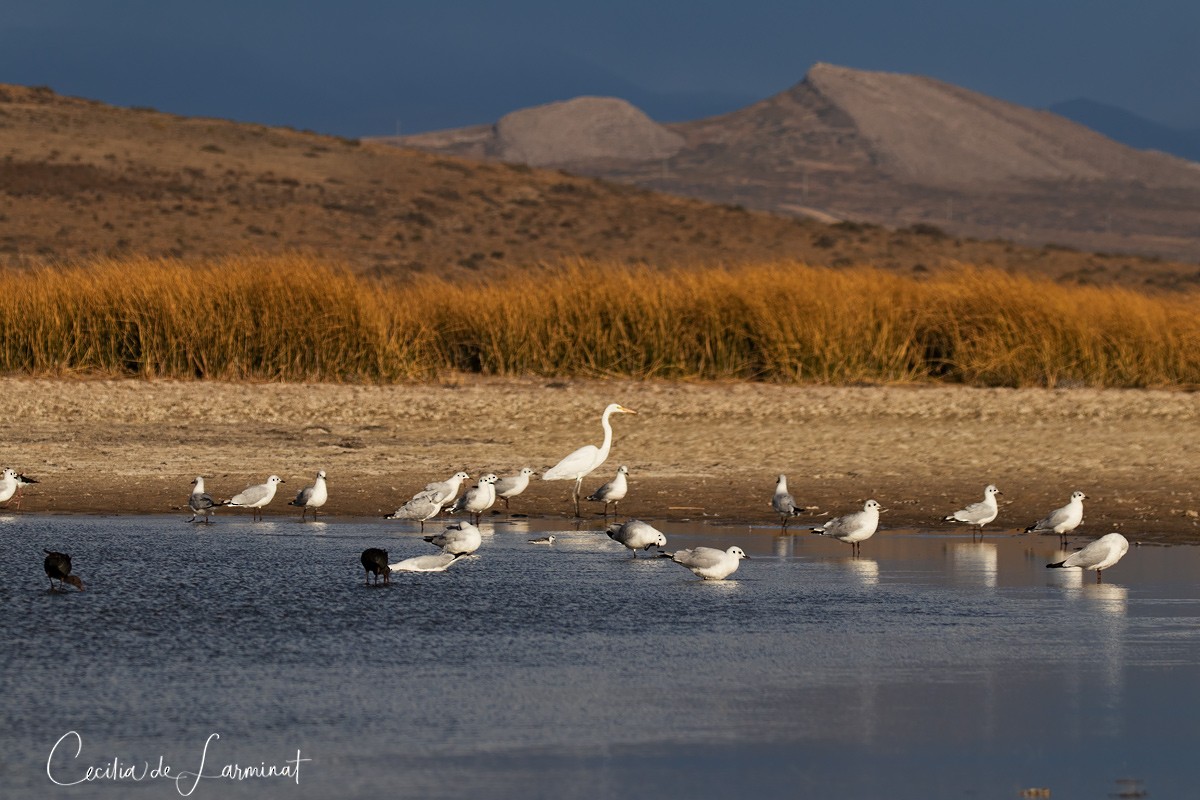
pixel 694 450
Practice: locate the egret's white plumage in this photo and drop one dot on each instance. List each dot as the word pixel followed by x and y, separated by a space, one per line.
pixel 586 459
pixel 783 503
pixel 853 528
pixel 421 507
pixel 979 513
pixel 1099 555
pixel 459 539
pixel 709 563
pixel 312 496
pixel 477 499
pixel 637 535
pixel 612 492
pixel 200 502
pixel 255 497
pixel 434 563
pixel 511 486
pixel 1061 520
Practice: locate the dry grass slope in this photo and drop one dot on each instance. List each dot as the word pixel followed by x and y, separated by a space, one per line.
pixel 298 318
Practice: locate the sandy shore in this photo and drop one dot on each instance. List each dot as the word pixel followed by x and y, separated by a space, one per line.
pixel 694 450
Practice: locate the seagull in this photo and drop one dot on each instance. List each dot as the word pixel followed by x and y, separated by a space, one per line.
pixel 637 535
pixel 583 461
pixel 543 540
pixel 1099 555
pixel 460 539
pixel 437 563
pixel 612 492
pixel 312 496
pixel 374 561
pixel 423 506
pixel 510 487
pixel 979 513
pixel 477 499
pixel 255 497
pixel 709 563
pixel 445 491
pixel 58 567
pixel 200 502
pixel 1061 520
pixel 783 502
pixel 853 528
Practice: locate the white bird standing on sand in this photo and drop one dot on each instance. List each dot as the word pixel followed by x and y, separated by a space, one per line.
pixel 460 539
pixel 583 461
pixel 783 502
pixel 436 563
pixel 612 492
pixel 312 496
pixel 478 498
pixel 445 491
pixel 979 513
pixel 709 563
pixel 255 497
pixel 12 482
pixel 1099 555
pixel 200 501
pixel 1061 520
pixel 423 506
pixel 853 528
pixel 513 485
pixel 637 535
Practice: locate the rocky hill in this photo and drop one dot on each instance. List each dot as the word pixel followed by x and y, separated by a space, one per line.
pixel 899 150
pixel 80 178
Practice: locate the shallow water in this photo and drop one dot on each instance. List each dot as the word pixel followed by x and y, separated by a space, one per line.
pixel 932 666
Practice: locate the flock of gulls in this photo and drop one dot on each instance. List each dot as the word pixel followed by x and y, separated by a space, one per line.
pixel 463 538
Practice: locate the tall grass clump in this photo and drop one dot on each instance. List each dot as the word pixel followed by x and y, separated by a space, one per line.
pixel 295 318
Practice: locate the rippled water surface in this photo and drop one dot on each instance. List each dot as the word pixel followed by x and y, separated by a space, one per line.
pixel 932 666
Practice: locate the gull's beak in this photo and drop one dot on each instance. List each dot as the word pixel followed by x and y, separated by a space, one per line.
pixel 746 557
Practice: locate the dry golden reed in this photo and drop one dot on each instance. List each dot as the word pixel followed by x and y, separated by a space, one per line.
pixel 296 318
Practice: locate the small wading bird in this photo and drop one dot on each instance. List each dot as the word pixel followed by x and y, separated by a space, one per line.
pixel 612 492
pixel 783 503
pixel 375 562
pixel 855 528
pixel 13 482
pixel 1099 555
pixel 979 513
pixel 200 502
pixel 708 563
pixel 312 496
pixel 58 568
pixel 543 540
pixel 1061 520
pixel 459 539
pixel 637 535
pixel 255 497
pixel 586 459
pixel 513 485
pixel 477 499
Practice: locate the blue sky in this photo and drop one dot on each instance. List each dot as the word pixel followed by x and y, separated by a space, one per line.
pixel 369 67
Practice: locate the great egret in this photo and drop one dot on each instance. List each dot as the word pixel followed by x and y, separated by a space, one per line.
pixel 255 497
pixel 1099 555
pixel 1061 520
pixel 855 528
pixel 979 513
pixel 583 461
pixel 709 563
pixel 312 496
pixel 200 501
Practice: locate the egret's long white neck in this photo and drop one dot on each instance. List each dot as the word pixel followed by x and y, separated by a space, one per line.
pixel 607 445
